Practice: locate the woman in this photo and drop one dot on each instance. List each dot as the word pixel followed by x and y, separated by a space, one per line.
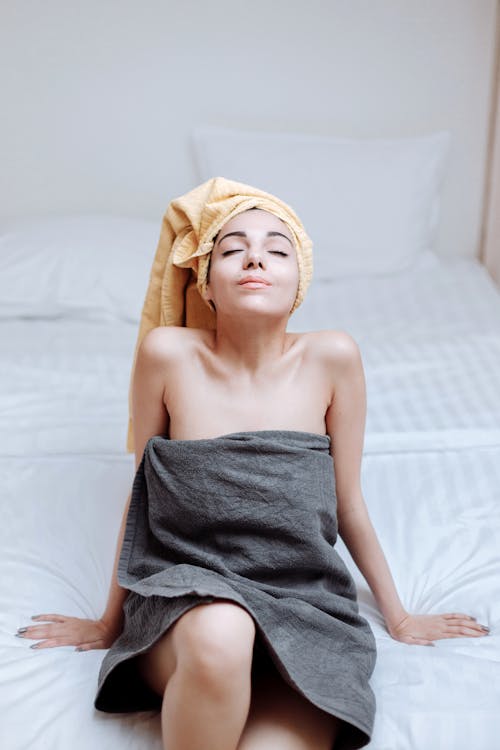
pixel 218 686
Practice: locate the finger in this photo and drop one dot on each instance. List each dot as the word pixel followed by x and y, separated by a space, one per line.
pixel 465 630
pixel 464 620
pixel 53 618
pixel 411 641
pixel 89 646
pixel 480 629
pixel 40 631
pixel 460 616
pixel 473 633
pixel 423 642
pixel 406 639
pixel 52 642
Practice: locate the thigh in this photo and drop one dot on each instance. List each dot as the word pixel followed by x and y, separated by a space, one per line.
pixel 207 635
pixel 280 717
pixel 157 665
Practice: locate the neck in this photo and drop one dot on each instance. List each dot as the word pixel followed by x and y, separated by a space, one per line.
pixel 250 345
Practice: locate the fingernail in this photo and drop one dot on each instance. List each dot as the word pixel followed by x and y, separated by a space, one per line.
pixel 78 649
pixel 22 630
pixel 35 645
pixel 34 617
pixel 19 635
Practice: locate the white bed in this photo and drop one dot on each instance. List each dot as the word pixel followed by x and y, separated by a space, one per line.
pixel 431 479
pixel 429 333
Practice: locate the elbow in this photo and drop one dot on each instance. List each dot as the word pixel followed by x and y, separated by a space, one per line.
pixel 353 519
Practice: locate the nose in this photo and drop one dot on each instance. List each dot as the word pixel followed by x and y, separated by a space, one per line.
pixel 253 258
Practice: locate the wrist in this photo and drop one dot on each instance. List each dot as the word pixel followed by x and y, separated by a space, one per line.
pixel 393 620
pixel 113 621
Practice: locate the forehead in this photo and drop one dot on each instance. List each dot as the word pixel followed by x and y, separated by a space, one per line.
pixel 255 219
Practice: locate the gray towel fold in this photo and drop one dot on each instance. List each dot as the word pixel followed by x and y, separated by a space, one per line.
pixel 249 516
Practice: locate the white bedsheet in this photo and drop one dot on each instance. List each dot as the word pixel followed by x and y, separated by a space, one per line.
pixel 64 386
pixel 430 477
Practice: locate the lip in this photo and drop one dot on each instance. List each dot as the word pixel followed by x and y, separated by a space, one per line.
pixel 254 280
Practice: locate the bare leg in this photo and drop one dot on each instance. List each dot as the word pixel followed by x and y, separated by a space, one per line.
pixel 205 714
pixel 282 719
pixel 203 666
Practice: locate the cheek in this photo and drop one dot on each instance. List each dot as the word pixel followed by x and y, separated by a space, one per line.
pixel 220 274
pixel 293 274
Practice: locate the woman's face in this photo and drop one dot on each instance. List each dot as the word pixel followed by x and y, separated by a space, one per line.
pixel 263 247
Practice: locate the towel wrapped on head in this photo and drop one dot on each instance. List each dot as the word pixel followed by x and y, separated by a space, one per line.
pixel 180 267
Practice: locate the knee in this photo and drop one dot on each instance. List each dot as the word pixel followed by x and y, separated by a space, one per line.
pixel 215 640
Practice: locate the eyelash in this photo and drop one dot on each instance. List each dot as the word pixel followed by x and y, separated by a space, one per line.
pixel 279 252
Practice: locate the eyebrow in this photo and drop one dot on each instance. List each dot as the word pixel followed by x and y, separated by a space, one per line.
pixel 244 234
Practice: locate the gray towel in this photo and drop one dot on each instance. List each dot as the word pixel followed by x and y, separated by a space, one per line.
pixel 248 516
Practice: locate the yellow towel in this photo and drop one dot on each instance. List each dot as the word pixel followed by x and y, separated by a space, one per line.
pixel 179 270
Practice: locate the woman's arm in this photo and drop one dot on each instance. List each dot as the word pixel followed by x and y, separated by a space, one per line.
pixel 357 532
pixel 345 422
pixel 149 417
pixel 113 614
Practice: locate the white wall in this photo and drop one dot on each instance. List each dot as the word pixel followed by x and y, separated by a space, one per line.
pixel 490 250
pixel 98 97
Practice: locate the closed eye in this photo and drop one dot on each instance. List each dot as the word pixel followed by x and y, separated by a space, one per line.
pixel 240 249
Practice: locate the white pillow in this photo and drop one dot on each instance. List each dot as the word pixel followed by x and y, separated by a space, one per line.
pixel 90 266
pixel 369 205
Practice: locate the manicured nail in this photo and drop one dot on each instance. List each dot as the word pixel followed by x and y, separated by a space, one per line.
pixel 35 645
pixel 34 617
pixel 484 627
pixel 22 630
pixel 78 649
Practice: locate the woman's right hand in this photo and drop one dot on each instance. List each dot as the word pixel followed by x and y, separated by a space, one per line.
pixel 71 631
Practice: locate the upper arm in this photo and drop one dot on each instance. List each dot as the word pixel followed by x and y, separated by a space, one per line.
pixel 149 414
pixel 346 418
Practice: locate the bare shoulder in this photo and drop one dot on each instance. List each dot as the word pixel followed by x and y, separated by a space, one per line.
pixel 167 343
pixel 331 346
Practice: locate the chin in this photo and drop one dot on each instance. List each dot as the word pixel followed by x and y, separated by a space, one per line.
pixel 263 310
pixel 256 305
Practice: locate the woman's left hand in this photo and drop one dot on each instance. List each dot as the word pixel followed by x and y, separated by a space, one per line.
pixel 423 629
